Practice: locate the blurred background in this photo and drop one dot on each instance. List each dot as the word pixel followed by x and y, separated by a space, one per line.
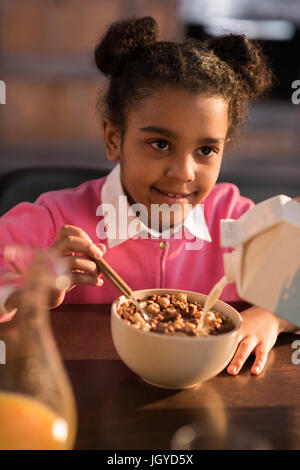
pixel 50 120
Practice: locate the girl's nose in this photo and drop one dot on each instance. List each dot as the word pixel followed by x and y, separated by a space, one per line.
pixel 182 168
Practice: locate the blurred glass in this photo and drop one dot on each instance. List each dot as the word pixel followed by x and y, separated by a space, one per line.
pixel 37 406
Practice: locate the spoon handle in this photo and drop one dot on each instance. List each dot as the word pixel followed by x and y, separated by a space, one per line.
pixel 114 278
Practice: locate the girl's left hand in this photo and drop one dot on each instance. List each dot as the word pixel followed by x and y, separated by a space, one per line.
pixel 258 335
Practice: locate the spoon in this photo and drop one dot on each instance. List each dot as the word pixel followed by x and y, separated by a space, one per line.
pixel 120 284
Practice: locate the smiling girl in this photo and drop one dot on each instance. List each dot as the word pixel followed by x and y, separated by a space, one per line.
pixel 167 114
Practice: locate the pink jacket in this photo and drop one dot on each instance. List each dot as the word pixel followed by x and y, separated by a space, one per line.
pixel 143 263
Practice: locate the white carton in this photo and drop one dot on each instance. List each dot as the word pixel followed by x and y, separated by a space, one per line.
pixel 265 262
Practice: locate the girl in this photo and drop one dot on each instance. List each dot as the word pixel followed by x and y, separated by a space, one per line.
pixel 169 110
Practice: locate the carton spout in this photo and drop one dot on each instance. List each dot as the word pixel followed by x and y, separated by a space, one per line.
pixel 230 266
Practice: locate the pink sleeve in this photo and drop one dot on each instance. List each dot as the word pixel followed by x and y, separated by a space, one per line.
pixel 26 225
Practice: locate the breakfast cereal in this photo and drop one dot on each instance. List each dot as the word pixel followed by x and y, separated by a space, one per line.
pixel 173 315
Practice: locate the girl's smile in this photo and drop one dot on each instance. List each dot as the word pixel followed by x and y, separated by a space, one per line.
pixel 172 197
pixel 172 148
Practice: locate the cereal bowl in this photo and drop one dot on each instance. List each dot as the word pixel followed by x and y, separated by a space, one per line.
pixel 170 361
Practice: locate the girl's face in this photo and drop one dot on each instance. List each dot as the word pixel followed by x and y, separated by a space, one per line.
pixel 173 144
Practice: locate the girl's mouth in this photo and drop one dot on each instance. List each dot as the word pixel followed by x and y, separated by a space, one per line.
pixel 172 197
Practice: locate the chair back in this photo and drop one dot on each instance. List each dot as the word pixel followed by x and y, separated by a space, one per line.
pixel 27 184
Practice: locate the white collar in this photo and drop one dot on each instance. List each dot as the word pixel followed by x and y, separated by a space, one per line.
pixel 122 223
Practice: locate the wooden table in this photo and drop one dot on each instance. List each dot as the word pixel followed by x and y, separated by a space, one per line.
pixel 117 410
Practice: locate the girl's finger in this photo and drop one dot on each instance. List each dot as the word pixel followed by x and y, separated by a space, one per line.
pixel 261 355
pixel 72 243
pixel 98 245
pixel 102 247
pixel 66 230
pixel 243 351
pixel 83 264
pixel 81 278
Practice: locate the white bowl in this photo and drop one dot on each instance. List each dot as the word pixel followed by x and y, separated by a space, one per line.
pixel 174 362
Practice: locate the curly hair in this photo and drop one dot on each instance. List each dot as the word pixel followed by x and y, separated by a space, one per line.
pixel 229 66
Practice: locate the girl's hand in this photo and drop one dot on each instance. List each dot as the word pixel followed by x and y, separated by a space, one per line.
pixel 77 248
pixel 258 335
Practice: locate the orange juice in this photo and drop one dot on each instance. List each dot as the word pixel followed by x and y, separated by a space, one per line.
pixel 27 424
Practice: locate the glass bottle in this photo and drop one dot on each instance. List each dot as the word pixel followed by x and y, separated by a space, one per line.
pixel 37 405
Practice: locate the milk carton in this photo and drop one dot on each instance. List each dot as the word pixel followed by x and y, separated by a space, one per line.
pixel 265 262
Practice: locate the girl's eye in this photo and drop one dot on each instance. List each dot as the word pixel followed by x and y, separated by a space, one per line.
pixel 163 145
pixel 207 150
pixel 159 144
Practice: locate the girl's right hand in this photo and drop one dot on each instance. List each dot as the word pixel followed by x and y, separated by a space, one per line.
pixel 74 245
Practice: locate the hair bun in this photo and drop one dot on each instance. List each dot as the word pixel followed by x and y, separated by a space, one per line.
pixel 122 40
pixel 246 59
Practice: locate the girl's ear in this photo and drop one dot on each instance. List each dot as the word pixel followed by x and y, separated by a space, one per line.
pixel 112 140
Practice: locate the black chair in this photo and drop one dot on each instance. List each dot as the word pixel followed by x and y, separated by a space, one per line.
pixel 27 184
